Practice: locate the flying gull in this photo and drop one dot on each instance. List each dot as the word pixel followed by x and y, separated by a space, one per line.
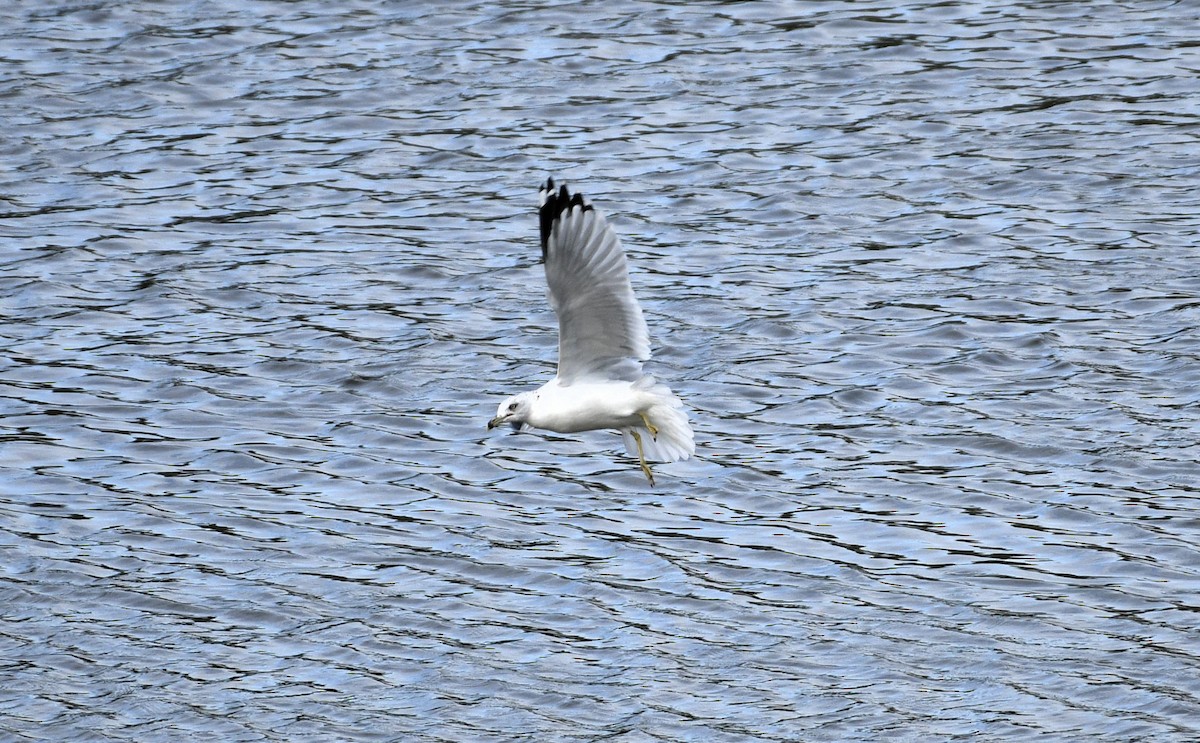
pixel 602 342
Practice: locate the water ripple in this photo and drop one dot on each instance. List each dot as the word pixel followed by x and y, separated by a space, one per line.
pixel 923 275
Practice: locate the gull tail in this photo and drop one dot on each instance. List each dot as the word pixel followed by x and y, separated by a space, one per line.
pixel 674 439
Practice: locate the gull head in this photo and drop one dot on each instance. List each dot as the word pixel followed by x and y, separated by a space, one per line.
pixel 513 411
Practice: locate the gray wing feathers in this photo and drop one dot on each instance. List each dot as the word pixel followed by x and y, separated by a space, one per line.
pixel 602 333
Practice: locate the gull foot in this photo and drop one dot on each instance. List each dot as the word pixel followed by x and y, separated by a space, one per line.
pixel 642 457
pixel 649 426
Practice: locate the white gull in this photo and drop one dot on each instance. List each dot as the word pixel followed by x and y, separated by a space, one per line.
pixel 602 342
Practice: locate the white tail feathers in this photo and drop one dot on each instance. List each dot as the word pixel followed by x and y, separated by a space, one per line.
pixel 674 440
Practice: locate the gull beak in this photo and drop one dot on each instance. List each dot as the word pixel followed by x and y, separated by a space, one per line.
pixel 495 422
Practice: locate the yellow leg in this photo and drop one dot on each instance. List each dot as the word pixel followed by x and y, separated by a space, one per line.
pixel 649 426
pixel 642 457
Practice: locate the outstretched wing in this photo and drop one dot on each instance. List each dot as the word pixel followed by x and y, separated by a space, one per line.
pixel 601 332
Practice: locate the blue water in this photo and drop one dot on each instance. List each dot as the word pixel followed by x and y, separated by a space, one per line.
pixel 925 275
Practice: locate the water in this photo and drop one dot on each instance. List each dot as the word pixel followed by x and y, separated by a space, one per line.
pixel 926 277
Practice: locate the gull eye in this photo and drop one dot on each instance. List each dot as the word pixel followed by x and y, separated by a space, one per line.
pixel 512 406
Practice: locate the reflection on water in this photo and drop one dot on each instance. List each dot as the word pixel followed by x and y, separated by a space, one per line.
pixel 926 278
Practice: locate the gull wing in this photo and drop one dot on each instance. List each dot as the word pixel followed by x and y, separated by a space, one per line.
pixel 601 332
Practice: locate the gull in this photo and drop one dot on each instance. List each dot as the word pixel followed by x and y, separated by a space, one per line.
pixel 602 342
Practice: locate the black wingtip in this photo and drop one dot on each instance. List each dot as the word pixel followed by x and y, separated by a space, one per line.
pixel 554 204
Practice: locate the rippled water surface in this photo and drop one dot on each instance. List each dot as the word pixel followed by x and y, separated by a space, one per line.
pixel 925 273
